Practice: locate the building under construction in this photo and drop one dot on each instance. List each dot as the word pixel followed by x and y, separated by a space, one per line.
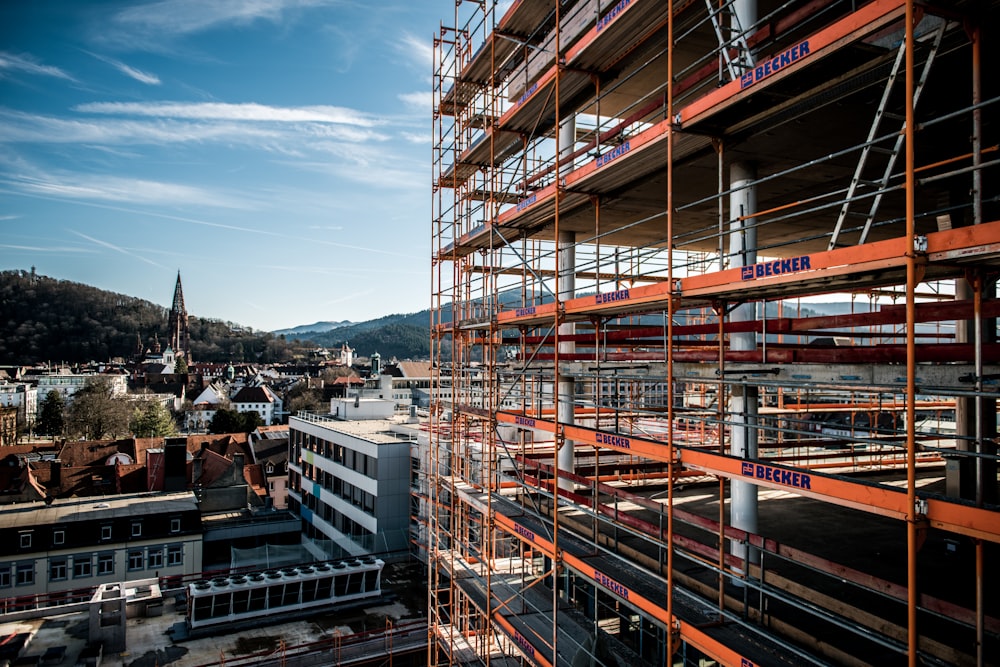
pixel 714 312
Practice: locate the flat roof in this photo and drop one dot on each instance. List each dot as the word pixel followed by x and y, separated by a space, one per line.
pixel 377 431
pixel 66 510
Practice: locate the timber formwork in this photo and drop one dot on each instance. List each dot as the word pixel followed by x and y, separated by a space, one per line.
pixel 660 443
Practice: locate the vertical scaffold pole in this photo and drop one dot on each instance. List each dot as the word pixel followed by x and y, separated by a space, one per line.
pixel 911 287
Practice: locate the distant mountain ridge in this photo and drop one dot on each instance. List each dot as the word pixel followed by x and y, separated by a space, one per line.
pixel 320 327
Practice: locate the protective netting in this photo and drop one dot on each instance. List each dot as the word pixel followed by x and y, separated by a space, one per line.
pixel 313 550
pixel 270 555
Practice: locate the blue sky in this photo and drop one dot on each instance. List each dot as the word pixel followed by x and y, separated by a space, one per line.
pixel 275 152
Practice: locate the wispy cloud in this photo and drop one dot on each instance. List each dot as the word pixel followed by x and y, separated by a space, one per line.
pixel 129 71
pixel 236 228
pixel 418 101
pixel 47 248
pixel 283 137
pixel 96 187
pixel 111 246
pixel 418 51
pixel 9 217
pixel 182 17
pixel 238 112
pixel 10 62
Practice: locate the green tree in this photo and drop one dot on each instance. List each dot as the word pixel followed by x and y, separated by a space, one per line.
pixel 151 419
pixel 181 366
pixel 51 415
pixel 250 420
pixel 96 412
pixel 231 421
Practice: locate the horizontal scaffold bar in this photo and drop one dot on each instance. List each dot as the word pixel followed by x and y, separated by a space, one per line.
pixel 947 252
pixel 956 517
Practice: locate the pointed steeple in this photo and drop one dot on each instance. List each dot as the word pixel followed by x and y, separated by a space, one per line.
pixel 178 296
pixel 179 336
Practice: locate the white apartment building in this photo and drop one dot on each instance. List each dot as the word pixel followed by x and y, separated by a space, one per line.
pixel 69 383
pixel 22 396
pixel 349 477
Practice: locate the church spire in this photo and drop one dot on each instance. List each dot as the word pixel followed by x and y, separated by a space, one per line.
pixel 178 296
pixel 179 336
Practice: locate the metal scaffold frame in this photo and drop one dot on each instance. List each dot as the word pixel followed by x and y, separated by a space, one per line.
pixel 638 399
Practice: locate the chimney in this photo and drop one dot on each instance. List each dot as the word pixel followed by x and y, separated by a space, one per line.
pixel 196 464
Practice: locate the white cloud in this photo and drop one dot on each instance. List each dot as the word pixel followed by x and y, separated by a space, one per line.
pixel 45 248
pixel 16 127
pixel 94 187
pixel 416 138
pixel 224 111
pixel 419 101
pixel 183 17
pixel 287 138
pixel 111 246
pixel 138 75
pixel 417 51
pixel 24 63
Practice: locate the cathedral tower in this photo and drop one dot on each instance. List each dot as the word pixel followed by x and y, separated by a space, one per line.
pixel 177 325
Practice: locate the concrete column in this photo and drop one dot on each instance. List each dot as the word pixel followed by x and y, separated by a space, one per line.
pixel 743 402
pixel 567 290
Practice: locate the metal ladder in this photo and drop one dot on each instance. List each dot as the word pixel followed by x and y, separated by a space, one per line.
pixel 893 153
pixel 742 63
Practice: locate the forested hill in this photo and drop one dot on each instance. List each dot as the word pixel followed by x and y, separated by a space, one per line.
pixel 401 336
pixel 44 319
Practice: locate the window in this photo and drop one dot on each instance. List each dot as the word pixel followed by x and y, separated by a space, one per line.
pixel 105 533
pixel 175 555
pixel 57 569
pixel 58 536
pixel 81 566
pixel 136 559
pixel 26 540
pixel 175 525
pixel 137 529
pixel 154 558
pixel 26 573
pixel 5 575
pixel 105 564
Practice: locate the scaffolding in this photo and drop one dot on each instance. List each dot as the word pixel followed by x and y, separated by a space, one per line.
pixel 714 301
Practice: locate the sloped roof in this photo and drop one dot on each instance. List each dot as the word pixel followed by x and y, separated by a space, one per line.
pixel 224 445
pixel 77 453
pixel 415 369
pixel 274 451
pixel 349 380
pixel 254 395
pixel 254 475
pixel 214 469
pixel 17 483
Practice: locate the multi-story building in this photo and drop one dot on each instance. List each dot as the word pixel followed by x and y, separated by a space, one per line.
pixel 653 452
pixel 259 399
pixel 71 544
pixel 22 396
pixel 269 445
pixel 349 478
pixel 69 383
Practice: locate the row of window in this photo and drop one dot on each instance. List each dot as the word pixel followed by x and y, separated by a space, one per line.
pixel 343 523
pixel 26 537
pixel 356 496
pixel 101 564
pixel 356 461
